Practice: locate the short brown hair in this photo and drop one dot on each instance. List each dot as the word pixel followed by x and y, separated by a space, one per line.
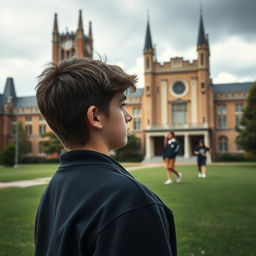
pixel 66 90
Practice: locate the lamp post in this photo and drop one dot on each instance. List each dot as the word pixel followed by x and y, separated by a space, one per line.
pixel 16 160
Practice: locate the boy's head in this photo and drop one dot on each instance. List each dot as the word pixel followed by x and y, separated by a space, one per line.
pixel 68 91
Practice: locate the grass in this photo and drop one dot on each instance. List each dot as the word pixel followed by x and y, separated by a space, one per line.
pixel 30 171
pixel 214 216
pixel 26 172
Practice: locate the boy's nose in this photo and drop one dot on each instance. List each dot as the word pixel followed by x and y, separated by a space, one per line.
pixel 128 117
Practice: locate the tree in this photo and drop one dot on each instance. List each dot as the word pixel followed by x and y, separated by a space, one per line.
pixel 8 154
pixel 52 145
pixel 247 138
pixel 131 150
pixel 24 143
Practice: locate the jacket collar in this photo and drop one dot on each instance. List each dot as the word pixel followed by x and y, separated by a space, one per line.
pixel 78 157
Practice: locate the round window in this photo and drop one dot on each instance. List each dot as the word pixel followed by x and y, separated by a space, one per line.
pixel 179 88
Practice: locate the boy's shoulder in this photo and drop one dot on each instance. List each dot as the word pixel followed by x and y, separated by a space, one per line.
pixel 104 179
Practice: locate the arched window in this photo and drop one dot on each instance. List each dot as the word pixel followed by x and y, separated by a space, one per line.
pixel 223 144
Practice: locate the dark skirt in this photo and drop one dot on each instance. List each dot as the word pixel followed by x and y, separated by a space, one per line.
pixel 167 153
pixel 201 162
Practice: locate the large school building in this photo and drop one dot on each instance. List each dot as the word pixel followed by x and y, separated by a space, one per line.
pixel 178 95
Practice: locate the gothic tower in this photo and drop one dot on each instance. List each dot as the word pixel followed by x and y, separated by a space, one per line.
pixel 148 96
pixel 69 44
pixel 204 82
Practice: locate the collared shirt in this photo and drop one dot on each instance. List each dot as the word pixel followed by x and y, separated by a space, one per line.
pixel 93 206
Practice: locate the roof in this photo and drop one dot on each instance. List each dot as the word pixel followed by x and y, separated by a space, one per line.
pixel 137 93
pixel 232 87
pixel 201 35
pixel 25 102
pixel 2 100
pixel 148 41
pixel 9 89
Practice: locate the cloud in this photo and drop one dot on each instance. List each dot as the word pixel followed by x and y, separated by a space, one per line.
pixel 138 69
pixel 234 55
pixel 119 33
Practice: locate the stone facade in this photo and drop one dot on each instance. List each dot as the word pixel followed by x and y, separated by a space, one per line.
pixel 178 95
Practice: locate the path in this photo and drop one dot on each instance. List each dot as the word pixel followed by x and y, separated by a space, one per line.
pixel 41 181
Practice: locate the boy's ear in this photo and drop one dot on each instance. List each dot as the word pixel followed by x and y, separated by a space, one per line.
pixel 94 117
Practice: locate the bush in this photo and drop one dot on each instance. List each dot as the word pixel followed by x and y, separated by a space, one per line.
pixel 131 152
pixel 36 160
pixel 8 155
pixel 1 157
pixel 129 157
pixel 235 158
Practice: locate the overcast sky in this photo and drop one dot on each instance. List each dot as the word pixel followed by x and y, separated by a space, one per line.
pixel 119 33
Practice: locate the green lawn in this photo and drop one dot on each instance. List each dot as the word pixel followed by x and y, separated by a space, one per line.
pixel 30 171
pixel 214 216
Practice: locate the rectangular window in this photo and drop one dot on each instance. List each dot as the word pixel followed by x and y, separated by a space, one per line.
pixel 202 87
pixel 239 107
pixel 28 119
pixel 42 129
pixel 221 116
pixel 28 129
pixel 202 59
pixel 148 90
pixel 137 124
pixel 179 113
pixel 147 63
pixel 136 112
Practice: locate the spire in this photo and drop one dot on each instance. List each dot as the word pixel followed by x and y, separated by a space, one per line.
pixel 80 22
pixel 9 89
pixel 201 35
pixel 148 41
pixel 90 29
pixel 55 25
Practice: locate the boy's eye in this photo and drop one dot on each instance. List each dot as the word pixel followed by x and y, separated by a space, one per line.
pixel 123 104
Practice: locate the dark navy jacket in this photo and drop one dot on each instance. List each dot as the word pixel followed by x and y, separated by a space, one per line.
pixel 171 149
pixel 93 206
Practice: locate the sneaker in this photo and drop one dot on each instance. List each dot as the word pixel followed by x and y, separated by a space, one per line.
pixel 179 179
pixel 168 182
pixel 199 175
pixel 203 175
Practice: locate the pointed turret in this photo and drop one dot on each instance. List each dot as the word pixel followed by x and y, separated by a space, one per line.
pixel 202 45
pixel 55 40
pixel 9 89
pixel 90 30
pixel 202 39
pixel 148 40
pixel 80 39
pixel 148 108
pixel 80 22
pixel 55 24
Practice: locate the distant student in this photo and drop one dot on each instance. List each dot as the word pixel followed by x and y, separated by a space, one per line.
pixel 202 152
pixel 171 149
pixel 92 205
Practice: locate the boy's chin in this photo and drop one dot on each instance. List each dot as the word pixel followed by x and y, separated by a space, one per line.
pixel 121 145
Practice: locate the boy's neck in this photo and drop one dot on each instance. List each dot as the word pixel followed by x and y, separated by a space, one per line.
pixel 101 149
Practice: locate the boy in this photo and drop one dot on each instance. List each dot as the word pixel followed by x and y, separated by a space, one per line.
pixel 92 205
